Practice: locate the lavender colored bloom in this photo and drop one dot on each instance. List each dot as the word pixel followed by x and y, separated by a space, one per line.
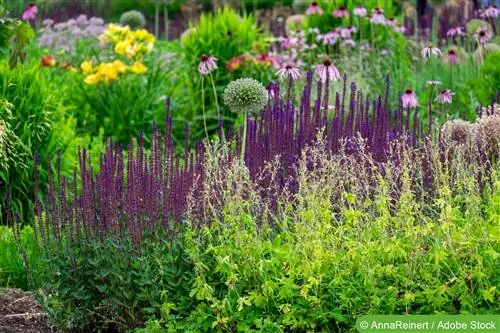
pixel 400 28
pixel 409 99
pixel 328 71
pixel 490 12
pixel 391 21
pixel 445 97
pixel 207 65
pixel 457 31
pixel 30 12
pixel 47 22
pixel 340 12
pixel 452 57
pixel 360 11
pixel 314 8
pixel 289 71
pixel 348 42
pixel 377 16
pixel 483 35
pixel 96 21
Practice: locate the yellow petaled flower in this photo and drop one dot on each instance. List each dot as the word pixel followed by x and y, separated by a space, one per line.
pixel 92 79
pixel 120 66
pixel 138 68
pixel 144 36
pixel 86 67
pixel 108 71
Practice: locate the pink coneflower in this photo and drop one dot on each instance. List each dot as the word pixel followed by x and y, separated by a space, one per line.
pixel 483 35
pixel 314 8
pixel 391 21
pixel 289 71
pixel 429 51
pixel 30 12
pixel 377 16
pixel 348 42
pixel 330 38
pixel 346 32
pixel 400 28
pixel 457 31
pixel 328 71
pixel 207 65
pixel 340 12
pixel 360 11
pixel 452 57
pixel 409 99
pixel 445 97
pixel 491 12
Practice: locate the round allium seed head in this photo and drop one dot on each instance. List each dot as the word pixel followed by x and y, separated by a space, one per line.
pixel 457 132
pixel 488 138
pixel 134 19
pixel 245 95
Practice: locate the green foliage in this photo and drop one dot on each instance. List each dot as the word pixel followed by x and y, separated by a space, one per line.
pixel 224 35
pixel 487 84
pixel 122 108
pixel 110 285
pixel 13 272
pixel 133 18
pixel 15 35
pixel 36 121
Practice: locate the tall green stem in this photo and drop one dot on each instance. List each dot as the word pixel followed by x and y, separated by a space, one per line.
pixel 203 106
pixel 157 20
pixel 165 18
pixel 244 139
pixel 216 101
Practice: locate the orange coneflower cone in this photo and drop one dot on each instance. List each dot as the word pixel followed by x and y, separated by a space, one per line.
pixel 47 61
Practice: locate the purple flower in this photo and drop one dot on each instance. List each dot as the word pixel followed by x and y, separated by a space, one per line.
pixel 328 71
pixel 360 11
pixel 445 97
pixel 483 35
pixel 289 71
pixel 409 99
pixel 340 12
pixel 314 8
pixel 207 64
pixel 490 12
pixel 30 12
pixel 47 23
pixel 377 16
pixel 452 57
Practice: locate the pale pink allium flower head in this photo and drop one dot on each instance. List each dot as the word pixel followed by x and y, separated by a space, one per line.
pixel 409 99
pixel 445 97
pixel 328 71
pixel 429 51
pixel 207 65
pixel 360 11
pixel 314 8
pixel 453 57
pixel 288 71
pixel 340 12
pixel 483 35
pixel 30 12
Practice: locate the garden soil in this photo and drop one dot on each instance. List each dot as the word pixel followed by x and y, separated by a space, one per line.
pixel 20 313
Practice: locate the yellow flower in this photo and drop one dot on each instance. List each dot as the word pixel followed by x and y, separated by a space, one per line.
pixel 92 79
pixel 138 68
pixel 144 36
pixel 109 72
pixel 86 67
pixel 120 66
pixel 122 47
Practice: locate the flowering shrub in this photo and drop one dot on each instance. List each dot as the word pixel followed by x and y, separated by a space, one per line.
pixel 67 38
pixel 132 45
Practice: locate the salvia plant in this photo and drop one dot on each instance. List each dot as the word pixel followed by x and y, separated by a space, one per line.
pixel 148 190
